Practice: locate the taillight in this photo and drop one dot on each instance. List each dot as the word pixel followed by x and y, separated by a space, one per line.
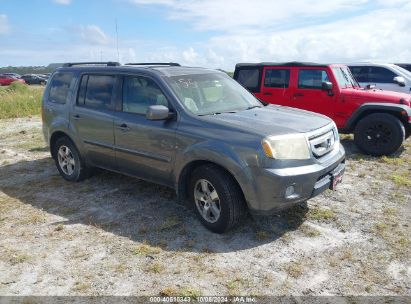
pixel 405 102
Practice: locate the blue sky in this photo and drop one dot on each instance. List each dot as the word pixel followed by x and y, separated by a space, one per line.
pixel 209 33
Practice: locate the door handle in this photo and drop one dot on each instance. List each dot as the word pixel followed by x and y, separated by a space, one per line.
pixel 76 117
pixel 123 127
pixel 268 93
pixel 298 94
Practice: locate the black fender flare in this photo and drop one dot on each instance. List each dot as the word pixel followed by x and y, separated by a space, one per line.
pixel 402 112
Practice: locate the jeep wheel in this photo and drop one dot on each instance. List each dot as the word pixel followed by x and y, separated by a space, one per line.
pixel 379 134
pixel 68 160
pixel 217 199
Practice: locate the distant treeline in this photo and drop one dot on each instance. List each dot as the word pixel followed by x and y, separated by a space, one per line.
pixel 30 69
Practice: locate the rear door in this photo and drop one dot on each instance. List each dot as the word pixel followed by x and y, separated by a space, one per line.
pixel 308 93
pixel 275 85
pixel 144 148
pixel 92 118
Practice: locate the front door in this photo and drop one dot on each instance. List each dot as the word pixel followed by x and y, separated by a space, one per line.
pixel 308 93
pixel 144 148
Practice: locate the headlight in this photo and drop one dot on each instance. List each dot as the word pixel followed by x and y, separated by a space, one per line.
pixel 290 146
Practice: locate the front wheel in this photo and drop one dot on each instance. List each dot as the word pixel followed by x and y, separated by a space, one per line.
pixel 68 160
pixel 379 134
pixel 217 198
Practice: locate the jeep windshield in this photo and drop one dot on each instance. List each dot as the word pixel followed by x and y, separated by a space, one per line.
pixel 344 77
pixel 211 93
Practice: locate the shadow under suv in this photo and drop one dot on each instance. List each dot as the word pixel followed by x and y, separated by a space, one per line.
pixel 192 129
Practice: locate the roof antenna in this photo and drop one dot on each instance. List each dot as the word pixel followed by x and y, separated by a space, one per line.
pixel 118 53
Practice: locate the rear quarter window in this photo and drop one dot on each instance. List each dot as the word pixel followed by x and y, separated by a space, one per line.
pixel 249 78
pixel 60 87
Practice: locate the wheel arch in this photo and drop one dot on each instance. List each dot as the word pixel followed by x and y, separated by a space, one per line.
pixel 56 136
pixel 183 181
pixel 401 112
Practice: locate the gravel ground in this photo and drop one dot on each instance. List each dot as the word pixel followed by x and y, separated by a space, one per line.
pixel 116 235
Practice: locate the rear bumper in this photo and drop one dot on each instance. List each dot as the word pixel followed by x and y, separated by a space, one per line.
pixel 269 190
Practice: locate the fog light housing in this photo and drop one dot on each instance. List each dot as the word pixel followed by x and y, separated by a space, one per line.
pixel 289 191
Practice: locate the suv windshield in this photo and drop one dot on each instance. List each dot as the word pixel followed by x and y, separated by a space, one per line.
pixel 344 77
pixel 214 93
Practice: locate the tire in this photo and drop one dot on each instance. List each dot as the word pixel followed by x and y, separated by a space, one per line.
pixel 379 134
pixel 229 200
pixel 68 160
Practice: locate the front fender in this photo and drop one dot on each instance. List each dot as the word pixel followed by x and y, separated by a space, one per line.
pixel 401 111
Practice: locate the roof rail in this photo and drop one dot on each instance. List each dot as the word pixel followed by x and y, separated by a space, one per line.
pixel 108 63
pixel 155 63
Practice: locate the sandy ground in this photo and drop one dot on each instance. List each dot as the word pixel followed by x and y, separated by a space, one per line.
pixel 116 235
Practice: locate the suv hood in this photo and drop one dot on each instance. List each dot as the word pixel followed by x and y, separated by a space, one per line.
pixel 380 95
pixel 271 120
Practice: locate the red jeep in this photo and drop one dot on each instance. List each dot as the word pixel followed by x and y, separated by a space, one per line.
pixel 380 120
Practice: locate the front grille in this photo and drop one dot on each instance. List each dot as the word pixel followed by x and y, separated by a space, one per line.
pixel 323 143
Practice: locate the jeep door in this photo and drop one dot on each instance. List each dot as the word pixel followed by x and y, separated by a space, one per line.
pixel 307 92
pixel 92 118
pixel 144 148
pixel 275 85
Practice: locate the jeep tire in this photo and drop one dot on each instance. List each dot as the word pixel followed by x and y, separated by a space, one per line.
pixel 379 134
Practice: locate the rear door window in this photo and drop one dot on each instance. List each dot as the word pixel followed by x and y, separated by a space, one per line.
pixel 96 91
pixel 249 78
pixel 277 78
pixel 312 79
pixel 60 87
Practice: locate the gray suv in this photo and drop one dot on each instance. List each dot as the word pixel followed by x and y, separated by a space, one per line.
pixel 192 129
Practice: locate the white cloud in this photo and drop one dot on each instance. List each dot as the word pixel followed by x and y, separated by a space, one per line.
pixel 92 34
pixel 4 25
pixel 267 31
pixel 63 2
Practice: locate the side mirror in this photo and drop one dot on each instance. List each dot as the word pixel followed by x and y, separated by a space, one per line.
pixel 327 86
pixel 400 81
pixel 158 112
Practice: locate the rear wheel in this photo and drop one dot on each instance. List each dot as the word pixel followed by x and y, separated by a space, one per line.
pixel 217 198
pixel 379 134
pixel 68 160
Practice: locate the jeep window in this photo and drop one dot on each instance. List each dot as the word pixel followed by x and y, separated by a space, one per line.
pixel 60 87
pixel 140 93
pixel 344 77
pixel 381 75
pixel 207 94
pixel 96 91
pixel 311 79
pixel 274 78
pixel 249 78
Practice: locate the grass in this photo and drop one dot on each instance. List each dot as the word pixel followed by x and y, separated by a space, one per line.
pixel 295 269
pixel 21 258
pixel 146 249
pixel 401 179
pixel 19 100
pixel 180 292
pixel 321 214
pixel 156 267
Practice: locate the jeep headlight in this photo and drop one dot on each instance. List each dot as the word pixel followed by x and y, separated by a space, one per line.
pixel 290 146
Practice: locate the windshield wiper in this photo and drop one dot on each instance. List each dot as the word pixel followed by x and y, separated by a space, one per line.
pixel 253 107
pixel 216 113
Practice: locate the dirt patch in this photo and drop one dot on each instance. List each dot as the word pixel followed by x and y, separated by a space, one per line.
pixel 116 235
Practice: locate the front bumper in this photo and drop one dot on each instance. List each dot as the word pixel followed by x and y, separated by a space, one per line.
pixel 266 189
